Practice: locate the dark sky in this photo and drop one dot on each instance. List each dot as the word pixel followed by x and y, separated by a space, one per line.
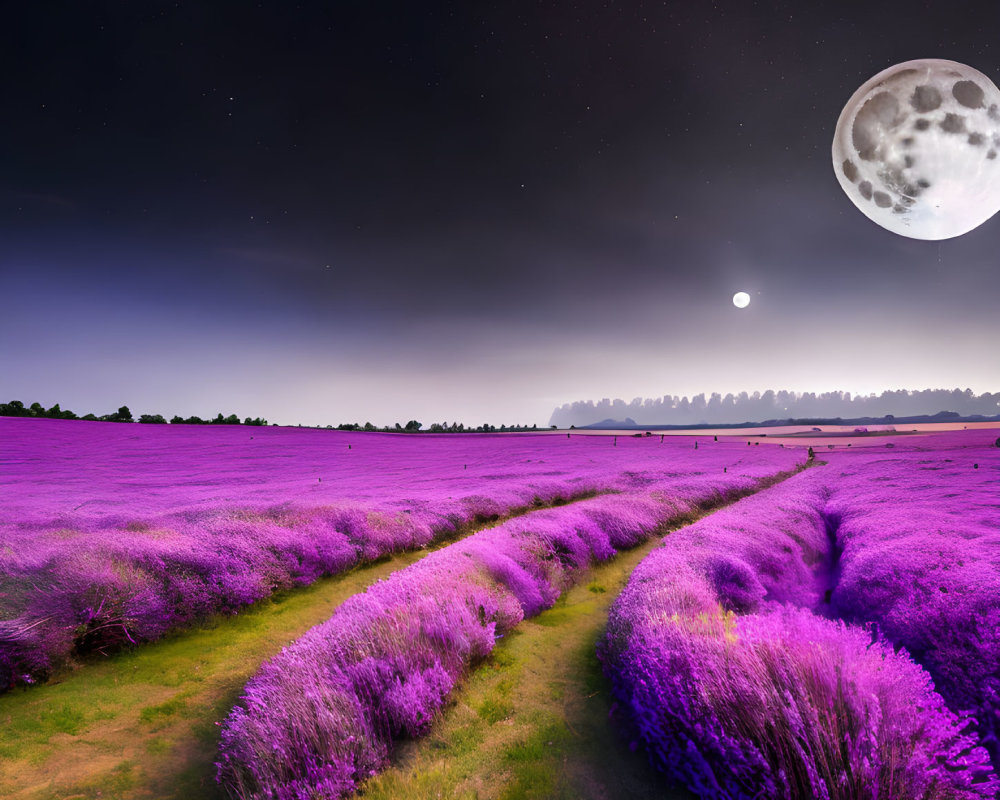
pixel 350 211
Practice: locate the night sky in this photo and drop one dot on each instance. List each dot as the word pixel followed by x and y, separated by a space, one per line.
pixel 362 211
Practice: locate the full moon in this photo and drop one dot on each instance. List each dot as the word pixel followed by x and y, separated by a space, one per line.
pixel 916 149
pixel 741 299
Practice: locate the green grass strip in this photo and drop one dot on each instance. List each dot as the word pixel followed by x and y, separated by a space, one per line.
pixel 532 721
pixel 142 724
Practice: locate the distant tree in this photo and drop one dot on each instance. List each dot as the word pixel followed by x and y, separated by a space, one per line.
pixel 89 417
pixel 36 410
pixel 57 413
pixel 152 419
pixel 15 408
pixel 195 421
pixel 258 421
pixel 413 426
pixel 437 427
pixel 175 420
pixel 369 427
pixel 121 415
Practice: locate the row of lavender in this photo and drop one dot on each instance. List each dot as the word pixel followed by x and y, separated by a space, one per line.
pixel 114 534
pixel 837 636
pixel 322 715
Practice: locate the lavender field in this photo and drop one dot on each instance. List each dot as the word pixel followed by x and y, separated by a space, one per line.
pixel 834 635
pixel 111 535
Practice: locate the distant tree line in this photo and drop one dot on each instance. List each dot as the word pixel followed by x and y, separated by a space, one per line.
pixel 15 408
pixel 232 419
pixel 437 427
pixel 771 405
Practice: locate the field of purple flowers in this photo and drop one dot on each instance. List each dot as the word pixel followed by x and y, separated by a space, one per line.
pixel 114 534
pixel 323 714
pixel 835 636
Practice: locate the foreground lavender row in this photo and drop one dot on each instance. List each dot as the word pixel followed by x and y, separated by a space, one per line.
pixel 730 651
pixel 322 715
pixel 114 534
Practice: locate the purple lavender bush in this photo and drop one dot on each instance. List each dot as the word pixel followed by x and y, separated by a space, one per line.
pixel 790 705
pixel 921 561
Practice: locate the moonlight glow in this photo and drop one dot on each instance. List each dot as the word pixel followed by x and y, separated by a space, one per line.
pixel 741 299
pixel 916 149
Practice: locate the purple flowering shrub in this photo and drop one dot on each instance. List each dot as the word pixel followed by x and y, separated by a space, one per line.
pixel 738 687
pixel 321 715
pixel 921 561
pixel 114 534
pixel 790 705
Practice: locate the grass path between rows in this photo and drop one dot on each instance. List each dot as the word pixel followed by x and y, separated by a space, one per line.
pixel 142 724
pixel 530 722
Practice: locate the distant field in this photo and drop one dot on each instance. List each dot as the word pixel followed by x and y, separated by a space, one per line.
pixel 806 435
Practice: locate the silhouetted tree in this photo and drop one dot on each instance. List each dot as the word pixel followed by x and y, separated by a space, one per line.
pixel 15 408
pixel 57 413
pixel 121 415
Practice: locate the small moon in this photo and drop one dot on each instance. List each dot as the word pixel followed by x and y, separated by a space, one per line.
pixel 741 299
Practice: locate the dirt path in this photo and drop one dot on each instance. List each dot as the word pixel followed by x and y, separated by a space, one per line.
pixel 533 721
pixel 142 724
